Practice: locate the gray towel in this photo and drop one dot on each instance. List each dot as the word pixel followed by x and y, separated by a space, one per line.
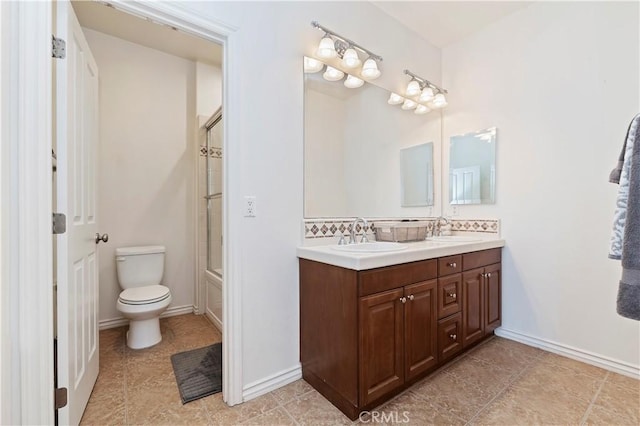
pixel 628 304
pixel 620 175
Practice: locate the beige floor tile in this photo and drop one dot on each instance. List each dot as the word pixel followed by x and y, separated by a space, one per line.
pixel 454 395
pixel 480 374
pixel 171 413
pixel 621 401
pixel 312 409
pixel 221 414
pixel 510 356
pixel 623 381
pixel 275 417
pixel 600 416
pixel 522 406
pixel 105 411
pixel 545 377
pixel 291 391
pixel 573 365
pixel 411 409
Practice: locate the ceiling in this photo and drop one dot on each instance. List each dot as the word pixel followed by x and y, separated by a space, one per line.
pixel 444 22
pixel 108 20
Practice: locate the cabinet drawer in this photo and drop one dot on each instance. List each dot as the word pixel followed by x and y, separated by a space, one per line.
pixel 390 277
pixel 449 295
pixel 449 336
pixel 481 258
pixel 449 265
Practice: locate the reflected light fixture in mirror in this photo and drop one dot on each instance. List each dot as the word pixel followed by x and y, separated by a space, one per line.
pixel 332 74
pixel 409 104
pixel 312 65
pixel 395 99
pixel 421 109
pixel 353 82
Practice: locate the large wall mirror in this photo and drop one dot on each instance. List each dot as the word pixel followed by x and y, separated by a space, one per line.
pixel 472 168
pixel 356 161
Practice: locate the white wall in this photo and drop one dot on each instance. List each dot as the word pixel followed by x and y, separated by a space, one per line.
pixel 268 83
pixel 560 82
pixel 146 159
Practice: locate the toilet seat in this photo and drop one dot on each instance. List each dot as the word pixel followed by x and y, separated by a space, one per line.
pixel 144 295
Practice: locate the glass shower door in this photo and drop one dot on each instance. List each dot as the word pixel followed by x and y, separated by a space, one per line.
pixel 214 194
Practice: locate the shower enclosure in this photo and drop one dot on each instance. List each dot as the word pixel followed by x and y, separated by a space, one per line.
pixel 212 151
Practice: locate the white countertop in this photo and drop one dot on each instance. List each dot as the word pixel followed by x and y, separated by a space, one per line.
pixel 420 250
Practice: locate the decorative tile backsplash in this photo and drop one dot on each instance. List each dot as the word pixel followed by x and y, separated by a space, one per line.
pixel 214 152
pixel 335 227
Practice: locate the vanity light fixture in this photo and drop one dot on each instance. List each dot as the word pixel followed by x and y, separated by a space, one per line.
pixel 332 74
pixel 334 45
pixel 353 82
pixel 428 91
pixel 421 109
pixel 395 99
pixel 312 65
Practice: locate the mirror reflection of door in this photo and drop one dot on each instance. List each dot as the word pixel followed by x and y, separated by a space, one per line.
pixel 472 167
pixel 465 185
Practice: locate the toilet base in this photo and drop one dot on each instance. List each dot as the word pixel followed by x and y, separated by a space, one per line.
pixel 144 333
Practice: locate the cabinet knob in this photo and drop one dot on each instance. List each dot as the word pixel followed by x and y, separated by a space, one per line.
pixel 452 295
pixel 453 336
pixel 482 274
pixel 403 299
pixel 488 274
pixel 452 264
pixel 411 297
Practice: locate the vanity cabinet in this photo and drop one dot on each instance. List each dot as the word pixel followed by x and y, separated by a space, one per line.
pixel 367 335
pixel 481 289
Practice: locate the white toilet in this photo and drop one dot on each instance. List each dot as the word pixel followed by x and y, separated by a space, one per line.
pixel 143 299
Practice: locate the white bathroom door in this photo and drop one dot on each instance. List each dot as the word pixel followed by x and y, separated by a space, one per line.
pixel 76 133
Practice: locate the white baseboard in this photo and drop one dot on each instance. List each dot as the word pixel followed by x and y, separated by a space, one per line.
pixel 214 319
pixel 273 382
pixel 610 364
pixel 120 321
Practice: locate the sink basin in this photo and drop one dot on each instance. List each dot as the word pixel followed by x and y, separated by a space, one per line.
pixel 373 247
pixel 453 239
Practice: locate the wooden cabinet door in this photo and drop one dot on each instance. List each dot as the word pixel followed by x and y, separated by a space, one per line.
pixel 493 305
pixel 449 336
pixel 449 295
pixel 420 327
pixel 472 306
pixel 381 344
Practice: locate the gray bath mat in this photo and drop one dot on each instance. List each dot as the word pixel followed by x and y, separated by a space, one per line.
pixel 198 372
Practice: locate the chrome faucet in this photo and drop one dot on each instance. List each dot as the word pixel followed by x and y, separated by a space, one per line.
pixel 352 235
pixel 437 227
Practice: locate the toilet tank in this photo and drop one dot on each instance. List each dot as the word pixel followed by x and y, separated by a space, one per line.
pixel 139 266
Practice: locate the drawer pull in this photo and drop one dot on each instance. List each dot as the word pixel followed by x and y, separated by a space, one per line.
pixel 411 297
pixel 452 295
pixel 453 336
pixel 452 264
pixel 403 299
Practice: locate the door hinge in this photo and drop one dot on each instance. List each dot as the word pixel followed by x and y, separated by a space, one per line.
pixel 60 398
pixel 58 48
pixel 59 223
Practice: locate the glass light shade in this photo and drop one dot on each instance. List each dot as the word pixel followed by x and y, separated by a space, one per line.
pixel 353 82
pixel 409 104
pixel 426 95
pixel 350 58
pixel 312 65
pixel 421 109
pixel 332 74
pixel 327 48
pixel 370 69
pixel 395 99
pixel 413 88
pixel 439 101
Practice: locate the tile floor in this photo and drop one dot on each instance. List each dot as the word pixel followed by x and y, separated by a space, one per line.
pixel 499 382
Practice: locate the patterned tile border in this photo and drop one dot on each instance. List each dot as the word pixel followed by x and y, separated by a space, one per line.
pixel 214 152
pixel 335 227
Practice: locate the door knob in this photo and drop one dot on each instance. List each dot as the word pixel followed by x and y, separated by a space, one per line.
pixel 104 238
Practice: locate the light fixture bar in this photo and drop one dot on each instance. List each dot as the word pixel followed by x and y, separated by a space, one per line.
pixel 352 43
pixel 425 82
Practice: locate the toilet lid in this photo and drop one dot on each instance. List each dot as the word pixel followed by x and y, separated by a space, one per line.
pixel 144 295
